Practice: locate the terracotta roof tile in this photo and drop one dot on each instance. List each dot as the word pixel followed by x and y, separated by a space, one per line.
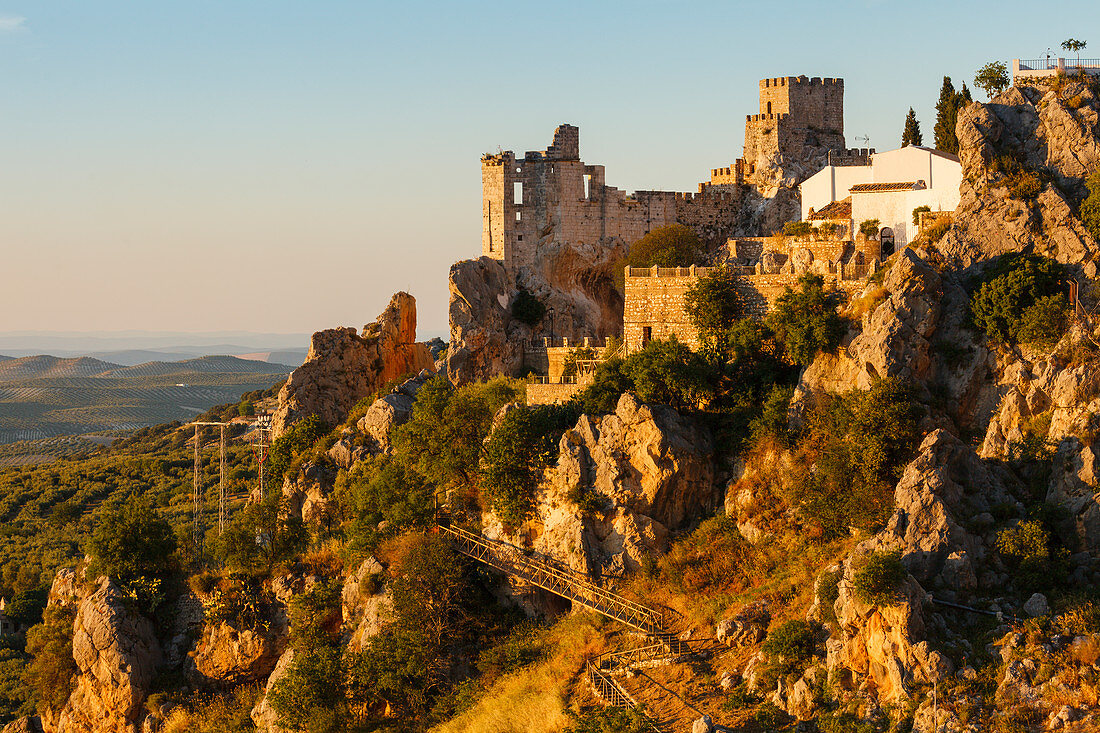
pixel 835 210
pixel 883 187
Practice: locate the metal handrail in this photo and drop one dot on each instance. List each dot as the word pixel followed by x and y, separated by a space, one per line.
pixel 546 575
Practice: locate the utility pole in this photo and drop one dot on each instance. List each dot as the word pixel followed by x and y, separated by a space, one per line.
pixel 221 489
pixel 196 511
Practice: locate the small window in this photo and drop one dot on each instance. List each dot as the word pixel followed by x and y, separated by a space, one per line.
pixel 587 185
pixel 519 238
pixel 769 107
pixel 517 192
pixel 519 216
pixel 647 334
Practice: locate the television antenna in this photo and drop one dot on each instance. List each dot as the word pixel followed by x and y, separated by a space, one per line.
pixel 865 139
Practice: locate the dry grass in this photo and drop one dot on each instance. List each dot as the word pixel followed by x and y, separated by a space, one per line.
pixel 534 699
pixel 867 302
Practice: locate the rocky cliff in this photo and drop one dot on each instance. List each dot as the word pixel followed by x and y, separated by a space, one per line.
pixel 343 366
pixel 1025 157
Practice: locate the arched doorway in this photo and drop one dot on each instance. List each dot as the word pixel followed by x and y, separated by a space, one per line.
pixel 886 241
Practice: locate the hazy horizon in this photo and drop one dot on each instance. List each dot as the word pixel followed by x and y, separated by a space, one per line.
pixel 286 168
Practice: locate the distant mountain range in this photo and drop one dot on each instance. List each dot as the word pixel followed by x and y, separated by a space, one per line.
pixel 131 348
pixel 45 397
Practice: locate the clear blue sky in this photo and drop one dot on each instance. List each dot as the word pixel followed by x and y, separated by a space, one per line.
pixel 285 166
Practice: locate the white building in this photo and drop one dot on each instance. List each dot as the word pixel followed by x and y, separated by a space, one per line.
pixel 895 183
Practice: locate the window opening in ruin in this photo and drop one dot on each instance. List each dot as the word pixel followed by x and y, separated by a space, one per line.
pixel 517 193
pixel 587 184
pixel 769 107
pixel 519 216
pixel 647 334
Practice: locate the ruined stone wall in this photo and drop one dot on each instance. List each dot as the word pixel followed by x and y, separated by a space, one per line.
pixel 548 358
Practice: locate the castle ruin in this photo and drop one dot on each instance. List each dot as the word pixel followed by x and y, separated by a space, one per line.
pixel 553 196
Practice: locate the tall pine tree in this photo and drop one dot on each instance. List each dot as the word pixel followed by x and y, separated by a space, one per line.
pixel 947 111
pixel 911 135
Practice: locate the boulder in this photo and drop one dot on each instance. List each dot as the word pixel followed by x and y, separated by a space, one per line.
pixel 343 367
pixel 1037 606
pixel 227 655
pixel 749 626
pixel 26 724
pixel 389 411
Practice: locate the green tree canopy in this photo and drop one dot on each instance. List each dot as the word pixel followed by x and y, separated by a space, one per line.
pixel 1090 207
pixel 1021 300
pixel 713 304
pixel 992 78
pixel 263 535
pixel 674 245
pixel 526 308
pixel 516 452
pixel 805 321
pixel 911 134
pixel 377 490
pixel 133 541
pixel 947 111
pixel 869 227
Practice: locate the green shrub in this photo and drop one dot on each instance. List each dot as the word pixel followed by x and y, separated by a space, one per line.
pixel 1018 284
pixel 1024 186
pixel 792 643
pixel 1090 207
pixel 879 578
pixel 798 228
pixel 377 490
pixel 860 442
pixel 517 451
pixel 588 500
pixel 869 227
pixel 1044 322
pixel 246 409
pixel 527 309
pixel 52 671
pixel 287 449
pixel 310 694
pixel 283 532
pixel 1027 547
pixel 828 590
pixel 805 321
pixel 602 719
pixel 918 211
pixel 773 419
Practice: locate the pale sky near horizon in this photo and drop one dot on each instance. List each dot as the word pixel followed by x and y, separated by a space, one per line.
pixel 286 166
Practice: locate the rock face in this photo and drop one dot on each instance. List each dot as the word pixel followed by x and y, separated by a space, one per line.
pixel 655 469
pixel 1042 129
pixel 230 656
pixel 117 654
pixel 575 280
pixel 263 715
pixel 342 367
pixel 388 412
pixel 903 337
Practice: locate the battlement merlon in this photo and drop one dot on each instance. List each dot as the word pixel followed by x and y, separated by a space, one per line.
pixel 783 81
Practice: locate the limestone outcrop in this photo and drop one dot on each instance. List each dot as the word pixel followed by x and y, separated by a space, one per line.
pixel 575 280
pixel 343 367
pixel 1037 129
pixel 117 654
pixel 388 412
pixel 652 468
pixel 229 656
pixel 903 337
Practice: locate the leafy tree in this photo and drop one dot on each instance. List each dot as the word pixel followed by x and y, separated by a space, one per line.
pixel 947 113
pixel 992 78
pixel 1090 207
pixel 300 438
pixel 602 719
pixel 246 408
pixel 911 134
pixel 714 303
pixel 132 542
pixel 377 490
pixel 27 605
pixel 674 245
pixel 528 309
pixel 1075 46
pixel 51 673
pixel 918 211
pixel 805 321
pixel 869 227
pixel 516 452
pixel 609 382
pixel 16 697
pixel 442 440
pixel 310 695
pixel 879 577
pixel 861 441
pixel 1011 304
pixel 263 535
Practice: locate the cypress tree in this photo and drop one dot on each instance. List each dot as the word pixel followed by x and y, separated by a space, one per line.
pixel 947 109
pixel 911 135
